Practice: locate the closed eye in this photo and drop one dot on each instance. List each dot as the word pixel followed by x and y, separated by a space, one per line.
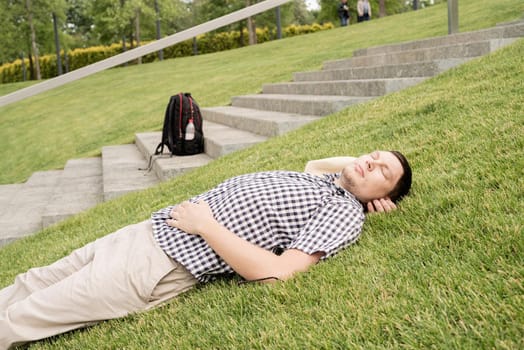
pixel 384 168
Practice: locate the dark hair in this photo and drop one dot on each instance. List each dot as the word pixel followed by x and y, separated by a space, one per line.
pixel 403 185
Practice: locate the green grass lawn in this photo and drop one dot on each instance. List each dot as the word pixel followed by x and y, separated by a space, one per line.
pixel 77 119
pixel 445 271
pixel 8 88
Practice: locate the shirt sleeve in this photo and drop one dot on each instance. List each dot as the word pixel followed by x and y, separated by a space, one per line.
pixel 333 227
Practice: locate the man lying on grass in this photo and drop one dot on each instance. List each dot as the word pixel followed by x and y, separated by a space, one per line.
pixel 263 226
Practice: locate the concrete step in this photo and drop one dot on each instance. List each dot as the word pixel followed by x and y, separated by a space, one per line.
pixel 121 172
pixel 165 166
pixel 7 192
pixel 410 70
pixel 360 88
pixel 43 179
pixel 461 51
pixel 219 140
pixel 300 104
pixel 264 123
pixel 78 189
pixel 503 31
pixel 22 213
pixel 511 23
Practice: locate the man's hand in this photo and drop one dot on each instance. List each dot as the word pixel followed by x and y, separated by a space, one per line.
pixel 247 259
pixel 381 205
pixel 191 218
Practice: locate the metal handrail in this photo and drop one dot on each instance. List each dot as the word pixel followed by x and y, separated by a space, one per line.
pixel 140 51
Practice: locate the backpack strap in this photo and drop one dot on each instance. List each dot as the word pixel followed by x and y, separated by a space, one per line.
pixel 165 138
pixel 191 105
pixel 159 149
pixel 181 99
pixel 169 139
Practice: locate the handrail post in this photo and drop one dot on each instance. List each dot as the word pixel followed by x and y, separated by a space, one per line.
pixel 279 24
pixel 453 26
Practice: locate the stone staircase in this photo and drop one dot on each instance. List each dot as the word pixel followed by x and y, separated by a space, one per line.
pixel 51 196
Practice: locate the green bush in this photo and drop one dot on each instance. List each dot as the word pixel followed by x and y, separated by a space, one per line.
pixel 293 30
pixel 207 43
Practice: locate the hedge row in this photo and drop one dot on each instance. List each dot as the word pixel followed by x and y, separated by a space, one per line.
pixel 207 43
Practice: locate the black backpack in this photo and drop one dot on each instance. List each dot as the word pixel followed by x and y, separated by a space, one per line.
pixel 182 111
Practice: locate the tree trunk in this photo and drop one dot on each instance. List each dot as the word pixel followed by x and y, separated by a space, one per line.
pixel 252 30
pixel 33 39
pixel 124 48
pixel 66 62
pixel 24 71
pixel 131 34
pixel 158 35
pixel 382 8
pixel 31 66
pixel 241 31
pixel 251 27
pixel 57 46
pixel 137 31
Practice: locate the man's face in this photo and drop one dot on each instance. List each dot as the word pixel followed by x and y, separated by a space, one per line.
pixel 371 176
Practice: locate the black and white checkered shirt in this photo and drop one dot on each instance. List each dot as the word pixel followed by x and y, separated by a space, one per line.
pixel 276 210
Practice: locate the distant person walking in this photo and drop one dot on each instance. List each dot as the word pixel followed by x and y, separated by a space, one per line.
pixel 363 10
pixel 343 13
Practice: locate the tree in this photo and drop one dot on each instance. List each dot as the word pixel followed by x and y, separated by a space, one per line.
pixel 328 11
pixel 115 19
pixel 382 8
pixel 294 12
pixel 27 26
pixel 79 23
pixel 12 33
pixel 109 21
pixel 57 45
pixel 133 9
pixel 301 14
pixel 251 27
pixel 158 31
pixel 34 45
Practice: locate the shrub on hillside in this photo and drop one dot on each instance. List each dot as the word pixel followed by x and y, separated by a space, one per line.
pixel 207 43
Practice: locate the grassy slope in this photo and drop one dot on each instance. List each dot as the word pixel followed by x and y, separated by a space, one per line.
pixel 76 120
pixel 445 271
pixel 8 88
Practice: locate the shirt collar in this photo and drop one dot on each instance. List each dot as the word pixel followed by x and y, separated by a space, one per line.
pixel 331 179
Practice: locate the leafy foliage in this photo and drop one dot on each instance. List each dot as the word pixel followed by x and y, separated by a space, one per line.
pixel 206 43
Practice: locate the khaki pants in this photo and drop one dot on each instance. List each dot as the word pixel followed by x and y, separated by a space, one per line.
pixel 111 277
